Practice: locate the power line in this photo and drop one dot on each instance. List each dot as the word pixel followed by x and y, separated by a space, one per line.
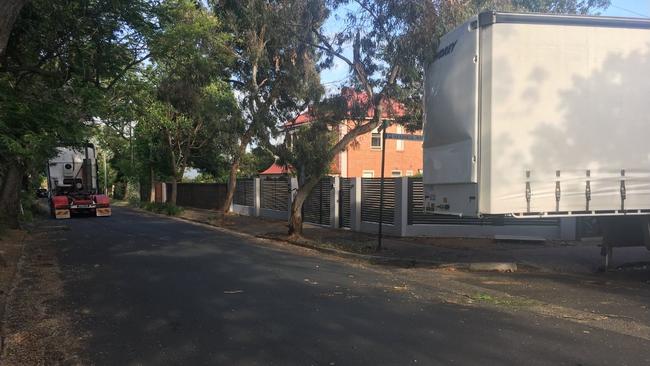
pixel 629 11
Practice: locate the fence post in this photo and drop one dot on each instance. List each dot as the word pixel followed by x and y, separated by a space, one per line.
pixel 256 196
pixel 334 202
pixel 293 186
pixel 355 205
pixel 402 205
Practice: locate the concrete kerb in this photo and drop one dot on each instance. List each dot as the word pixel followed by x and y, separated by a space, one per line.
pixel 372 259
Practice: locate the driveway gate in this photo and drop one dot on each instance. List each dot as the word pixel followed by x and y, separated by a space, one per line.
pixel 346 184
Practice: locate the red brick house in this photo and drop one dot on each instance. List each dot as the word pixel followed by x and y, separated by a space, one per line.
pixel 362 158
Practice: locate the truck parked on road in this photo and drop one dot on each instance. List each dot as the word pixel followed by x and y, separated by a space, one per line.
pixel 72 184
pixel 536 115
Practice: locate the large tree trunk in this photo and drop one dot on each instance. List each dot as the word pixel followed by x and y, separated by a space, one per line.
pixel 10 196
pixel 152 187
pixel 232 185
pixel 172 199
pixel 295 220
pixel 232 177
pixel 9 10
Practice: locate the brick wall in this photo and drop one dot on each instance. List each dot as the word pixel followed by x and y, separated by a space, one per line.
pixel 362 157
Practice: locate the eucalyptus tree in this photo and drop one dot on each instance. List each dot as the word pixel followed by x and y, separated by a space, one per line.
pixel 391 41
pixel 274 75
pixel 189 103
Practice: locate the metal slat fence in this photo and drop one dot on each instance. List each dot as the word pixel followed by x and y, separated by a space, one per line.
pixel 370 192
pixel 345 210
pixel 199 195
pixel 244 192
pixel 416 214
pixel 316 208
pixel 274 193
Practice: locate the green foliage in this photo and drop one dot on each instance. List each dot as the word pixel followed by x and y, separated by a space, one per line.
pixel 310 151
pixel 207 178
pixel 162 208
pixel 188 104
pixel 255 161
pixel 132 190
pixel 29 207
pixel 274 71
pixel 557 6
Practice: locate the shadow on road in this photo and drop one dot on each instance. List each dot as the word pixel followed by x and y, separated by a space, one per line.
pixel 154 291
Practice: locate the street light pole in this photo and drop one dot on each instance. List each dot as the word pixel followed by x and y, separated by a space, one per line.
pixel 381 184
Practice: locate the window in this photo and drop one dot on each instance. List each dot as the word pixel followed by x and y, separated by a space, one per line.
pixel 368 174
pixel 375 139
pixel 396 173
pixel 399 144
pixel 409 173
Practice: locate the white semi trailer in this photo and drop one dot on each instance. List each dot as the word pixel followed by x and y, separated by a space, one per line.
pixel 540 115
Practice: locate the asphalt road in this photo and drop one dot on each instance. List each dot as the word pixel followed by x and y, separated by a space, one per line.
pixel 156 291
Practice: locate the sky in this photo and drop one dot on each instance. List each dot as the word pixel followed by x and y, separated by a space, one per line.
pixel 336 76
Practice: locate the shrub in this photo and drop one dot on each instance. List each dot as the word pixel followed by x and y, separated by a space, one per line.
pixel 162 208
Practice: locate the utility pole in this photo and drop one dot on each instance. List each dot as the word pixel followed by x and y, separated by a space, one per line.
pixel 105 175
pixel 384 126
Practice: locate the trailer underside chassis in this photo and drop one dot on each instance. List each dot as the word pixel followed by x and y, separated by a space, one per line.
pixel 623 231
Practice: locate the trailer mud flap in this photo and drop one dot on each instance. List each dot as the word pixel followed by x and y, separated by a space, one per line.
pixel 62 213
pixel 102 212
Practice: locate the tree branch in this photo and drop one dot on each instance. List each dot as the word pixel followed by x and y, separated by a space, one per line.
pixel 328 47
pixel 126 69
pixel 235 82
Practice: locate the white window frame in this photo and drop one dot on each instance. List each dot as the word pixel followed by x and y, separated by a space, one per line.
pixel 381 142
pixel 392 173
pixel 409 173
pixel 367 174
